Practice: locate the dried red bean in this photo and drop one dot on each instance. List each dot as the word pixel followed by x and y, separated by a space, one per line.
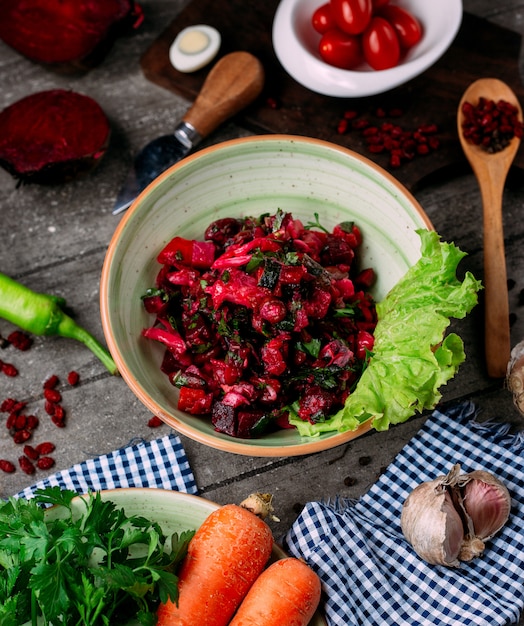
pixel 7 405
pixel 26 465
pixel 20 422
pixel 20 340
pixel 45 463
pixel 9 369
pixel 73 378
pixel 52 395
pixel 21 436
pixel 50 407
pixel 59 413
pixel 31 453
pixel 11 419
pixel 32 422
pixel 6 466
pixel 491 125
pixel 154 422
pixel 51 382
pixel 46 447
pixel 58 421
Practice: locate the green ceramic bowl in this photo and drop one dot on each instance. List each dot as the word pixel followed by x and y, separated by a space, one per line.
pixel 237 178
pixel 172 510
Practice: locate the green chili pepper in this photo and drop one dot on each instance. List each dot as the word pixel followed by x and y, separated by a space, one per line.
pixel 42 314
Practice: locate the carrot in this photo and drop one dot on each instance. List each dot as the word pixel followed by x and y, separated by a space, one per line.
pixel 287 593
pixel 224 558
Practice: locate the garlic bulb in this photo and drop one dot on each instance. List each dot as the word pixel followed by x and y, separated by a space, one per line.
pixel 515 376
pixel 447 520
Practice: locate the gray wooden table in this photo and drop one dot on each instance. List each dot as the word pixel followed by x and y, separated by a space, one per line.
pixel 54 239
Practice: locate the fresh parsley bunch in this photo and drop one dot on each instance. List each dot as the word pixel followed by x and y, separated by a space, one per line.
pixel 85 565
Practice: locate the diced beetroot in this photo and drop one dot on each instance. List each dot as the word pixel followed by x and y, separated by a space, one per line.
pixel 366 278
pixel 52 136
pixel 292 274
pixel 315 404
pixel 203 254
pixel 226 373
pixel 274 356
pixel 247 420
pixel 221 230
pixel 194 401
pixel 223 418
pixel 67 35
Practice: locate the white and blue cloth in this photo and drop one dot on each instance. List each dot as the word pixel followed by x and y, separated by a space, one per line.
pixel 161 463
pixel 372 577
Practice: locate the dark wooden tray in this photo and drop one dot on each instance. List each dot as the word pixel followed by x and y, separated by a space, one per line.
pixel 481 49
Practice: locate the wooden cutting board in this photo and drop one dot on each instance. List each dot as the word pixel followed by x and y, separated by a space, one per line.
pixel 481 49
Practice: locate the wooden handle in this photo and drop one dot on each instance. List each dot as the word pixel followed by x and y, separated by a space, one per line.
pixel 233 83
pixel 496 325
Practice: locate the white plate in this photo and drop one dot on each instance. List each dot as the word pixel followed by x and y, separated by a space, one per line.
pixel 296 45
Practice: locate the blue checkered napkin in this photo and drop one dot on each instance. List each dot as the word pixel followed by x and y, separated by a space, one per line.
pixel 372 577
pixel 160 463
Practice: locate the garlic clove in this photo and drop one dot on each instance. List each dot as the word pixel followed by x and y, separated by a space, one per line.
pixel 431 524
pixel 487 502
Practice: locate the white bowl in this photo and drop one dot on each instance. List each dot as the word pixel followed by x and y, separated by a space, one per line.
pixel 243 177
pixel 296 45
pixel 173 511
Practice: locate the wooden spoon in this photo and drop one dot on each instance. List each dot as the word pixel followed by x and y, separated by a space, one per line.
pixel 491 170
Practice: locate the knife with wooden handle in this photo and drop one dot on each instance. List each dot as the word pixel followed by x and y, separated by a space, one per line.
pixel 234 82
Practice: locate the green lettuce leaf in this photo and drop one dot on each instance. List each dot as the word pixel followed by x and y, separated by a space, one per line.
pixel 412 357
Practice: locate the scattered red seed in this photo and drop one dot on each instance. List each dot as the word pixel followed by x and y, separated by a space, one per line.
pixel 386 137
pixel 20 340
pixel 44 448
pixel 45 463
pixel 154 422
pixel 52 395
pixel 51 382
pixel 58 421
pixel 21 436
pixel 20 422
pixel 73 378
pixel 9 369
pixel 6 466
pixel 32 422
pixel 31 452
pixel 7 405
pixel 26 465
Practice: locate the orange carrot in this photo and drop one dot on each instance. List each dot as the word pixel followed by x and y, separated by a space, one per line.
pixel 287 593
pixel 224 558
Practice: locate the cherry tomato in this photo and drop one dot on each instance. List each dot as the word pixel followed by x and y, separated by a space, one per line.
pixel 340 49
pixel 379 3
pixel 380 44
pixel 352 16
pixel 322 19
pixel 406 25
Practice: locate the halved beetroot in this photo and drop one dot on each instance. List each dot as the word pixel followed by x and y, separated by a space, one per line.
pixel 52 136
pixel 68 35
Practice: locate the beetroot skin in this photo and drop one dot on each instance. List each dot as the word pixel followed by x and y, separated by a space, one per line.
pixel 67 35
pixel 52 136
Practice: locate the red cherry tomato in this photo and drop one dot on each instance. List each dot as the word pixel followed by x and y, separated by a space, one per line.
pixel 380 44
pixel 406 25
pixel 352 16
pixel 379 3
pixel 322 19
pixel 340 49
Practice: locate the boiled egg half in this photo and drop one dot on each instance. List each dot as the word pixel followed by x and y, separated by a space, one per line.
pixel 194 47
